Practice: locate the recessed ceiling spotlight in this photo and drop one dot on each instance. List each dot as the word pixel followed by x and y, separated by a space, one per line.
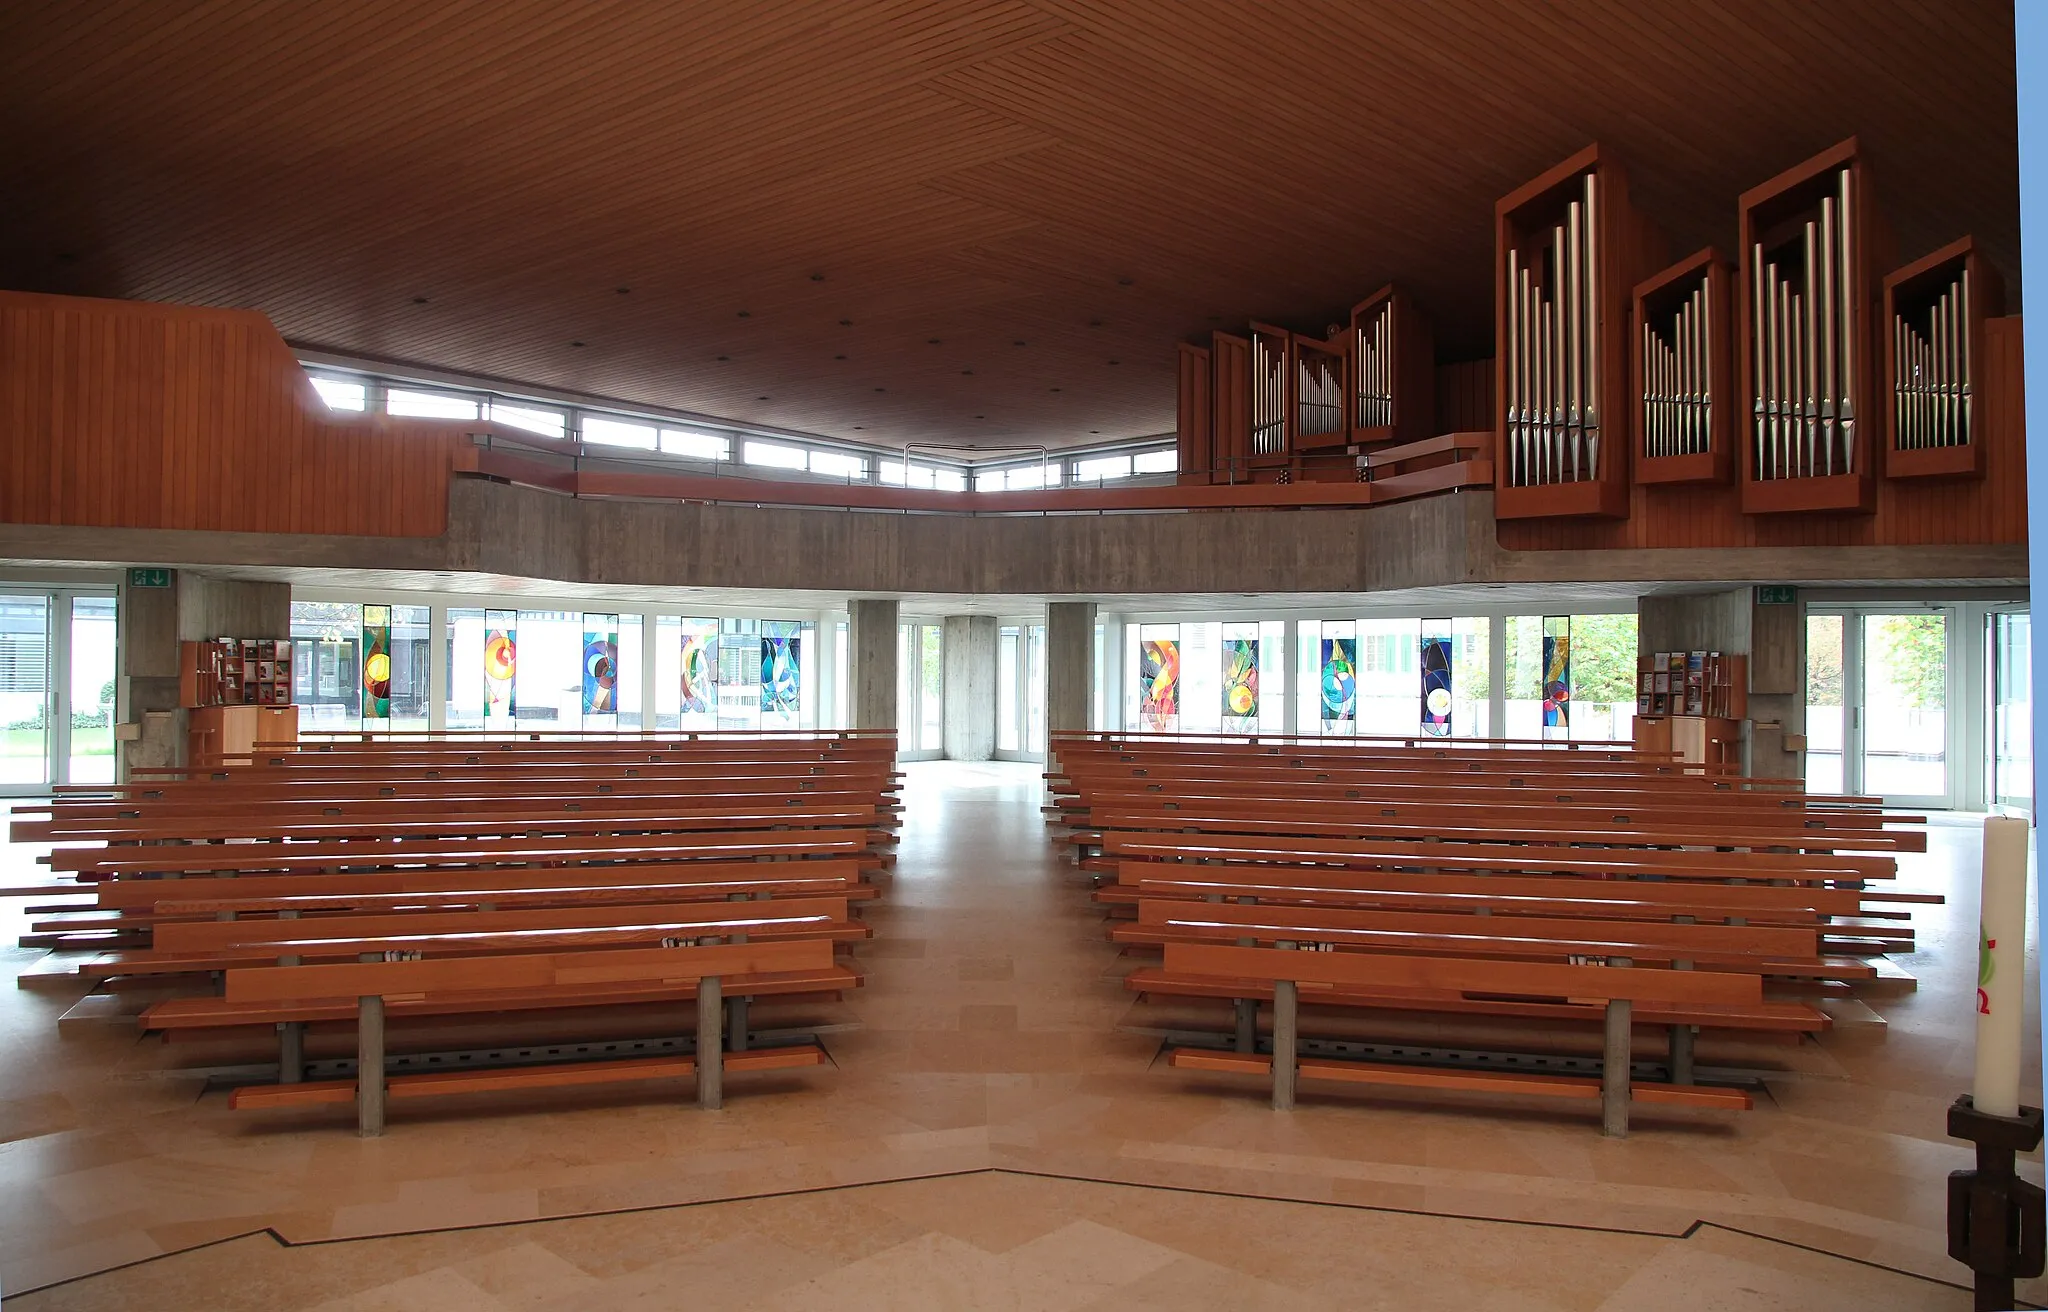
pixel 1095 323
pixel 1113 362
pixel 419 300
pixel 575 343
pixel 981 416
pixel 623 291
pixel 725 357
pixel 881 389
pixel 1016 343
pixel 1055 389
pixel 857 428
pixel 744 314
pixel 839 357
pixel 1123 282
pixel 1095 431
pixel 846 323
pixel 817 277
pixel 967 373
pixel 760 398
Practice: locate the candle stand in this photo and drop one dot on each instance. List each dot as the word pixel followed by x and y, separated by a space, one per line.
pixel 1996 1220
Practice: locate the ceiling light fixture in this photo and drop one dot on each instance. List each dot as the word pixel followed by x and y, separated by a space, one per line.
pixel 744 314
pixel 575 343
pixel 419 300
pixel 817 277
pixel 1123 282
pixel 622 290
pixel 846 323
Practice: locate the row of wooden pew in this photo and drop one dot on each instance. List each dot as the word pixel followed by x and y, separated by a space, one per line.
pixel 1525 888
pixel 340 887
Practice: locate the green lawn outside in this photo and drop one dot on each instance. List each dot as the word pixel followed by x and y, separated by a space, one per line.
pixel 97 741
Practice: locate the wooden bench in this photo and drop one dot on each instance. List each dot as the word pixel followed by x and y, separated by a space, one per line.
pixel 1286 974
pixel 295 994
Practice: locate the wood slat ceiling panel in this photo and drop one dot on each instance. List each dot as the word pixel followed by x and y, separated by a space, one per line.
pixel 1096 178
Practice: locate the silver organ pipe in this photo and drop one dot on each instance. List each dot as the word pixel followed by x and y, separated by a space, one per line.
pixel 1677 417
pixel 1553 347
pixel 1318 392
pixel 1803 303
pixel 1269 398
pixel 1933 388
pixel 1374 351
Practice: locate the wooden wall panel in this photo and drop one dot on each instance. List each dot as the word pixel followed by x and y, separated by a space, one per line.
pixel 1464 396
pixel 134 415
pixel 1916 512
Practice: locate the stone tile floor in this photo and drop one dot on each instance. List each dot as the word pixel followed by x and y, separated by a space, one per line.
pixel 990 1137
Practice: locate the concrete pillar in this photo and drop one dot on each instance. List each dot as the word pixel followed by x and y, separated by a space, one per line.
pixel 871 663
pixel 970 696
pixel 1069 665
pixel 153 622
pixel 1772 636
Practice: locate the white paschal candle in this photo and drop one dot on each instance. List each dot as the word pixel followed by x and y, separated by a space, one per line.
pixel 2002 967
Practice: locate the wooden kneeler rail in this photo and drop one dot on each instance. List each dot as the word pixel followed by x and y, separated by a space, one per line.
pixel 714 970
pixel 1616 986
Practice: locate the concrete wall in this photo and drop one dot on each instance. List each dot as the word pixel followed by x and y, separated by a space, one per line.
pixel 523 532
pixel 970 693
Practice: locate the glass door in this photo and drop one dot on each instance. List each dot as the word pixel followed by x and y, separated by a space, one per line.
pixel 1827 705
pixel 1904 721
pixel 89 748
pixel 25 700
pixel 2011 729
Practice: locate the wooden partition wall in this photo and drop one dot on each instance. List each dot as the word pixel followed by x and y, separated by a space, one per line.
pixel 135 415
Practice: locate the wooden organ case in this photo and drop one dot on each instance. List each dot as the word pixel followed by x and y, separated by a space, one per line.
pixel 1569 249
pixel 1277 406
pixel 1393 370
pixel 1934 312
pixel 1682 372
pixel 1811 245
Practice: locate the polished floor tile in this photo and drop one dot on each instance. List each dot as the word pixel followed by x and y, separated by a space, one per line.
pixel 995 1131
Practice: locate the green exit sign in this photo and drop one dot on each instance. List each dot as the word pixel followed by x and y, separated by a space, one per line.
pixel 1776 594
pixel 149 578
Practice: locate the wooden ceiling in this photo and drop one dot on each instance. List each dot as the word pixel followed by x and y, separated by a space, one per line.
pixel 923 220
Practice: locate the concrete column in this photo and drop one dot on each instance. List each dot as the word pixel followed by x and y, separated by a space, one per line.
pixel 153 622
pixel 871 664
pixel 1069 665
pixel 970 695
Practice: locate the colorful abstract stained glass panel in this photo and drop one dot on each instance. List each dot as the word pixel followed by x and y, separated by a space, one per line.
pixel 1241 682
pixel 1436 683
pixel 1159 683
pixel 700 668
pixel 376 662
pixel 600 664
pixel 781 682
pixel 501 662
pixel 1340 680
pixel 1557 674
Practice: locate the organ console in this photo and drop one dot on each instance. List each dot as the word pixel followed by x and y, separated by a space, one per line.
pixel 1934 312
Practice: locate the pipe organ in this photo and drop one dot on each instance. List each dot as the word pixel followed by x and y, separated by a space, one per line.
pixel 1276 406
pixel 1680 385
pixel 1272 363
pixel 1569 249
pixel 1934 311
pixel 1321 372
pixel 1807 289
pixel 1393 370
